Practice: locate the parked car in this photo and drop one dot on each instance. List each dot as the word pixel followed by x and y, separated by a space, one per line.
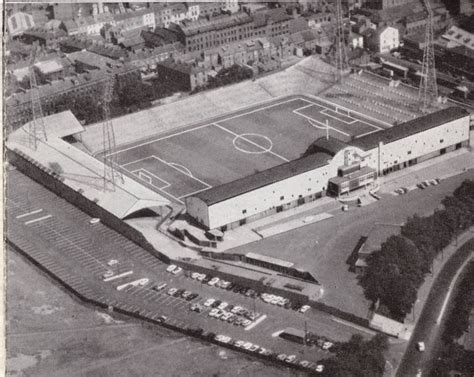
pixel 209 302
pixel 290 358
pixel 304 308
pixel 319 368
pixel 213 281
pixel 192 296
pixel 254 348
pixel 172 291
pixel 160 287
pixel 282 356
pixel 216 303
pixel 171 268
pixel 177 270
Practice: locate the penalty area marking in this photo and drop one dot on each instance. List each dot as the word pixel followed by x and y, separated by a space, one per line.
pixel 245 137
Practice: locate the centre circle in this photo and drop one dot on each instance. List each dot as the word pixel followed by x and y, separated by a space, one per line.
pixel 252 143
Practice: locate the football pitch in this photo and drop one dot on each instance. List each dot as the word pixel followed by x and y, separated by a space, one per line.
pixel 239 144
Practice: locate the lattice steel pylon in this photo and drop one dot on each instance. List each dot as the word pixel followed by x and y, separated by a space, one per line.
pixel 36 128
pixel 340 44
pixel 428 92
pixel 111 173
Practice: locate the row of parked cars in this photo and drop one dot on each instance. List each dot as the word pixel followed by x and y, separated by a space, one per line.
pixel 427 183
pixel 248 346
pixel 237 315
pixel 320 341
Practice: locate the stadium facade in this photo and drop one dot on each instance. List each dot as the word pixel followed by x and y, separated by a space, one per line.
pixel 332 167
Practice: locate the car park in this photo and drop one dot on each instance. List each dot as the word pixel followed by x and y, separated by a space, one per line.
pixel 304 363
pixel 223 305
pixel 171 268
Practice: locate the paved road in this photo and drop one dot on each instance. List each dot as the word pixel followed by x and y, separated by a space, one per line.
pixel 427 329
pixel 80 250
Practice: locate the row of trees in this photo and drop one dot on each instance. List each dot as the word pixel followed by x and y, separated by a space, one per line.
pixel 395 272
pixel 358 358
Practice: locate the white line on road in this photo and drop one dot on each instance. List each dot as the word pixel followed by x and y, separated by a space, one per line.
pixel 38 219
pixel 29 213
pixel 251 326
pixel 451 286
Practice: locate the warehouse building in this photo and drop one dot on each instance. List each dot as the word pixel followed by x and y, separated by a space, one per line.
pixel 331 166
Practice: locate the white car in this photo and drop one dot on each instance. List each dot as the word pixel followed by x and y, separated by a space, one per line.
pixel 94 220
pixel 304 308
pixel 171 268
pixel 327 345
pixel 290 358
pixel 213 281
pixel 209 302
pixel 177 270
pixel 239 343
pixel 420 346
pixel 223 305
pixel 254 348
pixel 304 363
pixel 319 368
pixel 246 322
pixel 201 277
pixel 108 274
pixel 213 312
pixel 195 275
pixel 247 345
pixel 172 291
pixel 112 262
pixel 281 356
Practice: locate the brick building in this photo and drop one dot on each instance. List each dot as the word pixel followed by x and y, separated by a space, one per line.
pixel 182 76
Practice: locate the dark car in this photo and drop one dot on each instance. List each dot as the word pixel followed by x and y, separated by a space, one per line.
pixel 216 303
pixel 230 287
pixel 188 273
pixel 207 279
pixel 192 296
pixel 179 292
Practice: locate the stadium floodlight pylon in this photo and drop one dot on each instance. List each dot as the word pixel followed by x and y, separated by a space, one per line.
pixel 36 128
pixel 340 44
pixel 428 92
pixel 111 173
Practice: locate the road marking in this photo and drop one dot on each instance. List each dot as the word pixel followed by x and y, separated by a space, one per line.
pixel 251 326
pixel 29 213
pixel 115 277
pixel 38 219
pixel 451 286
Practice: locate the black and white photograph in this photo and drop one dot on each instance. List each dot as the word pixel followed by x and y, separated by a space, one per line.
pixel 238 188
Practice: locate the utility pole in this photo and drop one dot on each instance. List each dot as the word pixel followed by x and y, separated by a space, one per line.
pixel 111 173
pixel 428 92
pixel 36 128
pixel 340 44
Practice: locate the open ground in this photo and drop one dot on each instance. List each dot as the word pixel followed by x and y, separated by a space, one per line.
pixel 239 144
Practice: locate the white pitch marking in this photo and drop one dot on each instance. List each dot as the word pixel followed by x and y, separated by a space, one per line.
pixel 325 112
pixel 251 142
pixel 322 124
pixel 38 219
pixel 207 125
pixel 29 213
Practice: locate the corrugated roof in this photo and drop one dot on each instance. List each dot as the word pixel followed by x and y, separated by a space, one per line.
pixel 277 173
pixel 409 128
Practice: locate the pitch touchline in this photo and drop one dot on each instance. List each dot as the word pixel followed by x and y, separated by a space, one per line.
pixel 207 125
pixel 251 142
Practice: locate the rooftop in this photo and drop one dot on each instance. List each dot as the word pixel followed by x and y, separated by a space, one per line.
pixel 275 261
pixel 264 178
pixel 216 23
pixel 409 128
